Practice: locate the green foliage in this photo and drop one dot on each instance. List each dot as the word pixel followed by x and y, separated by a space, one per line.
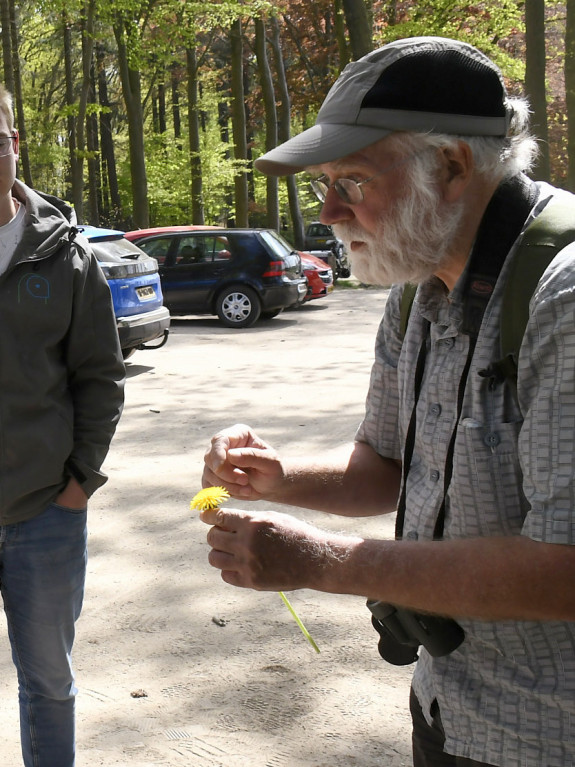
pixel 483 24
pixel 158 33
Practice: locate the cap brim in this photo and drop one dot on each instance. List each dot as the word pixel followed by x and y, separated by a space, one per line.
pixel 324 142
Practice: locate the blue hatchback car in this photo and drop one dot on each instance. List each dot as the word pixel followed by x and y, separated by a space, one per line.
pixel 135 286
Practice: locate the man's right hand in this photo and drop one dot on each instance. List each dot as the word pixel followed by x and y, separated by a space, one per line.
pixel 244 464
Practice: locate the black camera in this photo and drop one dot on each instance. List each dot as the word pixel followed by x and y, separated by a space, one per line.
pixel 403 631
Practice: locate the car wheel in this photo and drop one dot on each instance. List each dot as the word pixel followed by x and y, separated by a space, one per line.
pixel 238 307
pixel 126 353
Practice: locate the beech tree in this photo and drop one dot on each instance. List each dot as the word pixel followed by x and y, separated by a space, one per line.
pixel 271 120
pixel 359 26
pixel 570 91
pixel 239 122
pixel 126 39
pixel 535 86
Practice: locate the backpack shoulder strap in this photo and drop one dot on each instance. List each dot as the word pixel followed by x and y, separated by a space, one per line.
pixel 409 291
pixel 550 232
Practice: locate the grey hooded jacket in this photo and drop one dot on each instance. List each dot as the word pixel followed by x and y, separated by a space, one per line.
pixel 61 367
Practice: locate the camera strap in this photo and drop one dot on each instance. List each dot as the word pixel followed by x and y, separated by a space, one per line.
pixel 500 226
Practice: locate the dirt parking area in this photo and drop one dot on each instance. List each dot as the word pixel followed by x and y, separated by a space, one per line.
pixel 174 667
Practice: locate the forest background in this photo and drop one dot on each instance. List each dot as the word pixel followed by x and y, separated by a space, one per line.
pixel 151 112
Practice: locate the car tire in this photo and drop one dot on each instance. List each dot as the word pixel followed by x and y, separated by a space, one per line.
pixel 238 306
pixel 127 353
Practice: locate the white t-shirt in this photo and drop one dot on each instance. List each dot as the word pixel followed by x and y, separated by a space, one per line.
pixel 10 236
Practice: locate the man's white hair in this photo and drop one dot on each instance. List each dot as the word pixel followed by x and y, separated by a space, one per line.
pixel 496 159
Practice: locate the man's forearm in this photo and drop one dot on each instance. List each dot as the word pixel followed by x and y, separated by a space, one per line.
pixel 512 578
pixel 352 481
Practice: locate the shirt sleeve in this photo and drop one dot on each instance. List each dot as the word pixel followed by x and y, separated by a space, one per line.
pixel 546 393
pixel 379 428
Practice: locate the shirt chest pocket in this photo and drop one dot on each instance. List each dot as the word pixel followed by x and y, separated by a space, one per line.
pixel 487 480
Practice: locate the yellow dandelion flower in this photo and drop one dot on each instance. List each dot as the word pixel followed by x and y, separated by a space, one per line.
pixel 209 498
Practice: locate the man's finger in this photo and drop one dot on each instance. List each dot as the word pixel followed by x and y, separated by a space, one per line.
pixel 226 519
pixel 251 458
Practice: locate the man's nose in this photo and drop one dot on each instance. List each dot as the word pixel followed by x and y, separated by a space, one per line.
pixel 334 209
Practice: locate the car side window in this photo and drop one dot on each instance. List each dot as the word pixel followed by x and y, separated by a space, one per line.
pixel 157 248
pixel 222 249
pixel 193 250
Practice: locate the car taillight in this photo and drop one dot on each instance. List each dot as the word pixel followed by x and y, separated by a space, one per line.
pixel 276 269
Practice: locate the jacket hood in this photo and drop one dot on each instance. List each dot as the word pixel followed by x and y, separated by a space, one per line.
pixel 48 221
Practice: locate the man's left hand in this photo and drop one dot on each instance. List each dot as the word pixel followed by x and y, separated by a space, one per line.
pixel 267 551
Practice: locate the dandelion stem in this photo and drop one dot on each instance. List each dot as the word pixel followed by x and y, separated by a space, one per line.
pixel 297 619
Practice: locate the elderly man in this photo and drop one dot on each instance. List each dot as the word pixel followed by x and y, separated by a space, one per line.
pixel 418 155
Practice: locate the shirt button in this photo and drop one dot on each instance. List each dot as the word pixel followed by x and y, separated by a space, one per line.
pixel 412 535
pixel 435 409
pixel 434 475
pixel 492 439
pixel 448 343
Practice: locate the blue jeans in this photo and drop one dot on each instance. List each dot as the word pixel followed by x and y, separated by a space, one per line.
pixel 42 574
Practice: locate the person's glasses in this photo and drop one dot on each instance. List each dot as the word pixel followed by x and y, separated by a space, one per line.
pixel 6 144
pixel 349 191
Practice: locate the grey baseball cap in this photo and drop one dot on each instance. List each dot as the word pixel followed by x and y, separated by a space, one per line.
pixel 423 84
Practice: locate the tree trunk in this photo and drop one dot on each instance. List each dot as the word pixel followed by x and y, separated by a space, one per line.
pixel 94 177
pixel 239 124
pixel 162 123
pixel 87 24
pixel 339 27
pixel 570 91
pixel 359 27
pixel 175 84
pixel 271 127
pixel 223 120
pixel 6 45
pixel 76 123
pixel 196 185
pixel 131 90
pixel 284 132
pixel 535 81
pixel 24 158
pixel 112 211
pixel 76 192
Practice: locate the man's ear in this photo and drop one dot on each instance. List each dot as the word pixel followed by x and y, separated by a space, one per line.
pixel 457 171
pixel 16 144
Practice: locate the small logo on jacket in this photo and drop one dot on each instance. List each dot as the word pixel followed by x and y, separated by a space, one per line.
pixel 35 286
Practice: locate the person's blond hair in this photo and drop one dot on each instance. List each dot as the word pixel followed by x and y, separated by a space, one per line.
pixel 6 107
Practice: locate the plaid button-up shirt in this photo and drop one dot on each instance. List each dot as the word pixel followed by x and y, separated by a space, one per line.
pixel 507 695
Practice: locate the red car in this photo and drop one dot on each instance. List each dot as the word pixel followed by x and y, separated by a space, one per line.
pixel 319 276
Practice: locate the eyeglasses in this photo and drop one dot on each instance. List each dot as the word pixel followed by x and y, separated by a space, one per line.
pixel 6 144
pixel 349 191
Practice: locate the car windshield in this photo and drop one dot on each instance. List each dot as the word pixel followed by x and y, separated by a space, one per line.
pixel 318 230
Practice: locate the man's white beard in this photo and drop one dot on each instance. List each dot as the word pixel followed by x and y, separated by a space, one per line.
pixel 412 239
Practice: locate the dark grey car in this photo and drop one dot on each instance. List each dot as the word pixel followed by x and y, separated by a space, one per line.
pixel 319 236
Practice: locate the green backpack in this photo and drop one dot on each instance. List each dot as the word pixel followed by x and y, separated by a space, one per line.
pixel 550 232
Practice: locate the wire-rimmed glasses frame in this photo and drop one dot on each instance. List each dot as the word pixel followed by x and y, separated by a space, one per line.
pixel 347 189
pixel 7 144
